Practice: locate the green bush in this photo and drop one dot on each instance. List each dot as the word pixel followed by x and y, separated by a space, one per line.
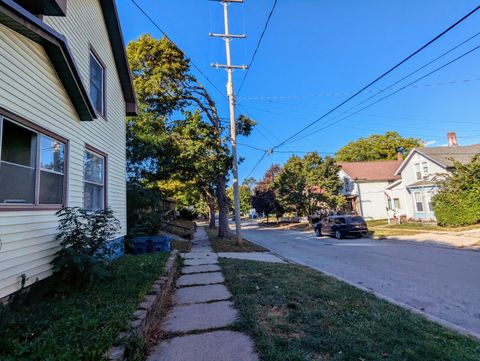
pixel 86 248
pixel 458 201
pixel 145 215
pixel 458 209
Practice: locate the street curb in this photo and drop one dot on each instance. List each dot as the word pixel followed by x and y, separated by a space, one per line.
pixel 429 317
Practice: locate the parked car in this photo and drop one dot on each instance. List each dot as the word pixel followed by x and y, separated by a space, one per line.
pixel 341 226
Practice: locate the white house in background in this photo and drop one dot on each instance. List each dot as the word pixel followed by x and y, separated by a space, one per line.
pixel 364 186
pixel 411 196
pixel 65 89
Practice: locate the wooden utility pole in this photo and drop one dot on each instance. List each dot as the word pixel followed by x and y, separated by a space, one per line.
pixel 231 99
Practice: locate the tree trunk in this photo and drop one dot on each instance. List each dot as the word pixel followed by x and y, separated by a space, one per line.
pixel 211 211
pixel 223 208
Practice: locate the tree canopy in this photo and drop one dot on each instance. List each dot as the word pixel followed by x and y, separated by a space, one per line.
pixel 377 147
pixel 307 184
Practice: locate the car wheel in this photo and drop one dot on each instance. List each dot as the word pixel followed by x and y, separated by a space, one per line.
pixel 318 232
pixel 338 235
pixel 358 235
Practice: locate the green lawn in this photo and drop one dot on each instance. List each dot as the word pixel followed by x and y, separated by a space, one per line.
pixel 294 313
pixel 82 324
pixel 229 245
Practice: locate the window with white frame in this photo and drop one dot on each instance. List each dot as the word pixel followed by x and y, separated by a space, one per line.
pixel 418 171
pixel 94 179
pixel 418 201
pixel 421 170
pixel 425 170
pixel 97 84
pixel 32 166
pixel 396 203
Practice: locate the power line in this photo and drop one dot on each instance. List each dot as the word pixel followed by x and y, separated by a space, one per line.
pixel 256 165
pixel 334 94
pixel 258 45
pixel 389 95
pixel 168 37
pixel 408 76
pixel 382 76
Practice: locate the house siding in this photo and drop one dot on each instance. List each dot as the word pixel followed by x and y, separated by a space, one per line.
pixel 408 174
pixel 30 88
pixel 372 199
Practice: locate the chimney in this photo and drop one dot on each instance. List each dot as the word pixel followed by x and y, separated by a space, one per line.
pixel 399 156
pixel 452 139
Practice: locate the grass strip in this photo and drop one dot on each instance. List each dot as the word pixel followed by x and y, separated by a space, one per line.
pixel 296 314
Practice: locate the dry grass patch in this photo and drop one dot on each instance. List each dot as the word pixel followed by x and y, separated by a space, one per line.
pixel 229 245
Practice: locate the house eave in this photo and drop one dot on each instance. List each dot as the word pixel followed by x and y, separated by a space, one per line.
pixel 115 34
pixel 23 22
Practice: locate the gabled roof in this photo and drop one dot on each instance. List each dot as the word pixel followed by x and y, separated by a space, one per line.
pixel 443 155
pixel 55 44
pixel 381 170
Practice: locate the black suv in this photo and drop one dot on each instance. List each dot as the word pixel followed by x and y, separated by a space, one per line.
pixel 340 226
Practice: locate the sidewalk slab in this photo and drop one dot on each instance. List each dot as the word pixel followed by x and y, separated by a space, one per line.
pixel 199 255
pixel 198 294
pixel 252 256
pixel 200 316
pixel 201 249
pixel 201 268
pixel 200 279
pixel 200 261
pixel 210 346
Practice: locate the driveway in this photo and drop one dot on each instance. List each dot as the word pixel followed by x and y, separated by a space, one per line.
pixel 443 283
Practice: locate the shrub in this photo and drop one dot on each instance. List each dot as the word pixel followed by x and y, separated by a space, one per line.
pixel 459 208
pixel 144 212
pixel 458 201
pixel 86 248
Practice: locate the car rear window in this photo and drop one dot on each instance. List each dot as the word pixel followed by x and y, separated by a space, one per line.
pixel 355 220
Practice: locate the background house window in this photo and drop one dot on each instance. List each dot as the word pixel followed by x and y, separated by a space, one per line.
pixel 94 192
pixel 425 170
pixel 389 203
pixel 429 201
pixel 396 203
pixel 23 152
pixel 418 171
pixel 97 84
pixel 418 201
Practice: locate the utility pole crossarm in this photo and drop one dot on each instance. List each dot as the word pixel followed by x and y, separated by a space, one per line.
pixel 239 36
pixel 231 101
pixel 242 67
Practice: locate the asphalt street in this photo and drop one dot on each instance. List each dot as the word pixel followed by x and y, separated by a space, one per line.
pixel 441 282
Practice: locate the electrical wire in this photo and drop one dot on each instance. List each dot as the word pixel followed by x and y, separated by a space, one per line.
pixel 257 164
pixel 389 95
pixel 272 10
pixel 382 75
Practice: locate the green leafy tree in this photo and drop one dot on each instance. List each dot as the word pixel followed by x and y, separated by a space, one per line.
pixel 250 183
pixel 245 198
pixel 164 87
pixel 377 147
pixel 308 184
pixel 457 202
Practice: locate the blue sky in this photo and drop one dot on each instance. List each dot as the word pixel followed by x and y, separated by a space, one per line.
pixel 315 53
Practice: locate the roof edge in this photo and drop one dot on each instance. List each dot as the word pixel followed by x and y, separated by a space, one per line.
pixel 23 22
pixel 117 44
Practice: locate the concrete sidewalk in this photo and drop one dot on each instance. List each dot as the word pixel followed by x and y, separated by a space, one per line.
pixel 196 326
